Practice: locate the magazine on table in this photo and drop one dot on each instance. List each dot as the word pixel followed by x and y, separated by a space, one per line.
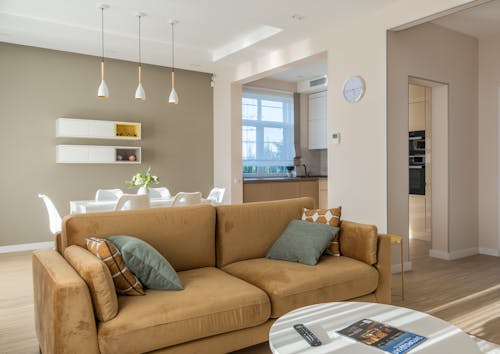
pixel 379 335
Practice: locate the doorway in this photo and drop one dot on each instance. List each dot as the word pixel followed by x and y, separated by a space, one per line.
pixel 427 166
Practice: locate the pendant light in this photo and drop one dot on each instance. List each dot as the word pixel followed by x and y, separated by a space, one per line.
pixel 103 91
pixel 140 95
pixel 173 98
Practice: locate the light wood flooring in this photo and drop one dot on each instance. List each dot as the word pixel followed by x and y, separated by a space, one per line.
pixel 465 292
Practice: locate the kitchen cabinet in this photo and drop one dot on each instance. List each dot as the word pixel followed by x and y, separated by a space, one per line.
pixel 323 194
pixel 265 190
pixel 417 107
pixel 317 121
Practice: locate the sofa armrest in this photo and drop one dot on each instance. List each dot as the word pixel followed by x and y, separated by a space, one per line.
pixel 383 265
pixel 64 316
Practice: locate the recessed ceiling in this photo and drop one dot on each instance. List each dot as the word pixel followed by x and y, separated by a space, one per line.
pixel 209 32
pixel 303 72
pixel 479 21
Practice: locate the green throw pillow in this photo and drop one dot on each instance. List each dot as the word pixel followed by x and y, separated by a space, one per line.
pixel 302 242
pixel 152 269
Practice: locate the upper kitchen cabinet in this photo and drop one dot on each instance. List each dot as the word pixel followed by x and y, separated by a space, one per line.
pixel 97 129
pixel 416 107
pixel 318 132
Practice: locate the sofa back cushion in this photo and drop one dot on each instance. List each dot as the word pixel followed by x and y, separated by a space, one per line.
pixel 247 231
pixel 183 235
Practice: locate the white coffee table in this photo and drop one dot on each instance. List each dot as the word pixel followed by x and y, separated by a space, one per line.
pixel 325 319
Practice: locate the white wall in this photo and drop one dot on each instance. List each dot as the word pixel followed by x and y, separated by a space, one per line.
pixel 357 171
pixel 489 178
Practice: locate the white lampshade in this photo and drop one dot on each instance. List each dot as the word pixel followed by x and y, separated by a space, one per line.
pixel 140 95
pixel 103 91
pixel 173 98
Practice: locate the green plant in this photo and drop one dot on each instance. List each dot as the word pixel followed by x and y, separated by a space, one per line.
pixel 143 180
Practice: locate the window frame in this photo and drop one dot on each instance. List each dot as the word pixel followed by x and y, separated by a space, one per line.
pixel 263 167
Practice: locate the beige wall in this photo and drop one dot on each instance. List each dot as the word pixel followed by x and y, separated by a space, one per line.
pixel 39 85
pixel 435 53
pixel 489 85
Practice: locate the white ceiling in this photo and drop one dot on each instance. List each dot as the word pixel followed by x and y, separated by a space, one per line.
pixel 479 21
pixel 303 72
pixel 208 32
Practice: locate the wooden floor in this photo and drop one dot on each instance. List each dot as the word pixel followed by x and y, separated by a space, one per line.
pixel 465 292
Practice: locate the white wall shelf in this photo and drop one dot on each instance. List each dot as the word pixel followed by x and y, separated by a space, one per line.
pixel 98 154
pixel 97 129
pixel 318 122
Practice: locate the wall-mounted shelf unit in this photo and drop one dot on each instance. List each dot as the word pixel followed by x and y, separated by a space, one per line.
pixel 98 154
pixel 97 129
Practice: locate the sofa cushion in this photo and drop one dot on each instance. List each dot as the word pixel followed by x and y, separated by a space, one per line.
pixel 330 217
pixel 212 302
pixel 248 230
pixel 293 285
pixel 166 229
pixel 359 241
pixel 98 278
pixel 126 283
pixel 152 269
pixel 302 242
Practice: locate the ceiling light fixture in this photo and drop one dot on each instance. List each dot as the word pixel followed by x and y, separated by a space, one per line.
pixel 103 91
pixel 140 95
pixel 173 97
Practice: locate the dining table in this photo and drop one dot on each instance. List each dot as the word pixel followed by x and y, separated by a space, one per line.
pixel 96 206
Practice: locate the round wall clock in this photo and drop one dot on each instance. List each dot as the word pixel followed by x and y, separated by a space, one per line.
pixel 354 89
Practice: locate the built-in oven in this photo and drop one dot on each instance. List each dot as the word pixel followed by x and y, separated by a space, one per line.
pixel 416 161
pixel 417 180
pixel 416 142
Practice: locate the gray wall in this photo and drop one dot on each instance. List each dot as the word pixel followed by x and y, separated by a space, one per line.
pixel 38 85
pixel 431 52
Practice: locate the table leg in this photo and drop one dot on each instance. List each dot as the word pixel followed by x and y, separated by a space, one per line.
pixel 402 271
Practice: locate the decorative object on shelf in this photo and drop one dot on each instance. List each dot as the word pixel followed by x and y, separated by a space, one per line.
pixel 354 89
pixel 103 91
pixel 143 181
pixel 290 171
pixel 173 98
pixel 132 158
pixel 140 95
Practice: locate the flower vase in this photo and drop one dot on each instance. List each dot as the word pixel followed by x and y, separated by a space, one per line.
pixel 143 190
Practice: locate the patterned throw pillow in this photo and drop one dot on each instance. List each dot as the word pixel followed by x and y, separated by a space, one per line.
pixel 326 216
pixel 126 283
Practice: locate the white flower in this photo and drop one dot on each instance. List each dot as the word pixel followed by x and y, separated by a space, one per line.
pixel 139 181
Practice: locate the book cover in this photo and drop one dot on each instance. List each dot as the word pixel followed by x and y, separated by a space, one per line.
pixel 386 338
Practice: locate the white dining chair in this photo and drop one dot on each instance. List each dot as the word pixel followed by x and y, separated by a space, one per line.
pixel 54 217
pixel 216 195
pixel 108 194
pixel 133 202
pixel 183 198
pixel 161 192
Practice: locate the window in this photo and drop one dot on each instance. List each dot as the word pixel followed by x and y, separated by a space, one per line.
pixel 267 132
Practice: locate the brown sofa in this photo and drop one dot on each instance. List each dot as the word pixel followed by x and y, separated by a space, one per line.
pixel 232 294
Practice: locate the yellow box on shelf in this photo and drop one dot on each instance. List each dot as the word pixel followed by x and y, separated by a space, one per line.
pixel 128 130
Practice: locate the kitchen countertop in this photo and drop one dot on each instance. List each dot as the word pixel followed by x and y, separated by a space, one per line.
pixel 282 179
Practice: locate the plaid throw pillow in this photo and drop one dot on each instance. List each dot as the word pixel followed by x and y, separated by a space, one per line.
pixel 326 216
pixel 126 283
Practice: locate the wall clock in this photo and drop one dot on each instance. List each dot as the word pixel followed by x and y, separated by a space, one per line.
pixel 354 89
